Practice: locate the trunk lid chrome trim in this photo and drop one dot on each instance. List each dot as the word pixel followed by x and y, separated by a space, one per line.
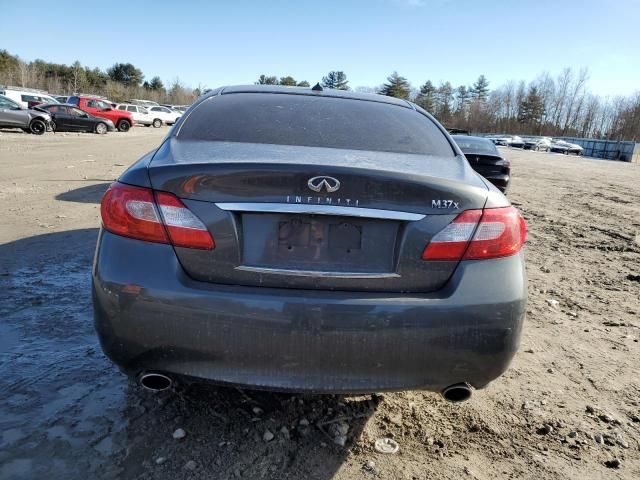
pixel 321 210
pixel 316 273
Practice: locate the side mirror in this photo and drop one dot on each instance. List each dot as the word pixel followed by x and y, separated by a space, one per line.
pixel 108 109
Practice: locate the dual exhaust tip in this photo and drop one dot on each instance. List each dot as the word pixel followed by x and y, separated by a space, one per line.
pixel 158 382
pixel 155 381
pixel 456 393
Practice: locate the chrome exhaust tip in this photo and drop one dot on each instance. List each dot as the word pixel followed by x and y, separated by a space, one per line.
pixel 459 392
pixel 154 381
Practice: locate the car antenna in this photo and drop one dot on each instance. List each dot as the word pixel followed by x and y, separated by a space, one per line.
pixel 317 87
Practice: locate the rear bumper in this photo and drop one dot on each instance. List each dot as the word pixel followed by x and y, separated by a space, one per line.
pixel 150 315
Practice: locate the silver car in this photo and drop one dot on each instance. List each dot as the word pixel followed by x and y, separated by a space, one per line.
pixel 13 115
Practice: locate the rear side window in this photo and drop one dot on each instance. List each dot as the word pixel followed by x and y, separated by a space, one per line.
pixel 476 145
pixel 285 119
pixel 8 103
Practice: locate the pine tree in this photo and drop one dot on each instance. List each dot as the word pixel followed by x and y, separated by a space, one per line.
pixel 156 84
pixel 335 79
pixel 463 96
pixel 426 98
pixel 531 108
pixel 126 74
pixel 396 86
pixel 480 89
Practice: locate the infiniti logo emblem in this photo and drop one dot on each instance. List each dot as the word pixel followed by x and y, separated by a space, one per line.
pixel 330 184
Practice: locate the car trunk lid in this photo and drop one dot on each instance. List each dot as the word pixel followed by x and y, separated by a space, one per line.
pixel 316 218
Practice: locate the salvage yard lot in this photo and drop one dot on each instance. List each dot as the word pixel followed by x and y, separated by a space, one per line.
pixel 569 404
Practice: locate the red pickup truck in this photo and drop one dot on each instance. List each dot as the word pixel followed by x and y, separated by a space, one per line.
pixel 103 109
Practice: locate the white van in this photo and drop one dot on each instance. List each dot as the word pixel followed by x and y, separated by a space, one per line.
pixel 27 97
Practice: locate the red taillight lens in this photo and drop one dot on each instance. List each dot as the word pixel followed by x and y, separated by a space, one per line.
pixel 451 242
pixel 131 212
pixel 134 212
pixel 477 235
pixel 184 228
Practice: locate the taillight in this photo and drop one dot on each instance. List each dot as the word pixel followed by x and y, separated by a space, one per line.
pixel 479 234
pixel 183 227
pixel 134 212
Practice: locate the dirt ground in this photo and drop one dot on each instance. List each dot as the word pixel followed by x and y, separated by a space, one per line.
pixel 567 407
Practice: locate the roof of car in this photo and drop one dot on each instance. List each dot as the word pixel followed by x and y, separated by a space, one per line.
pixel 327 92
pixel 59 104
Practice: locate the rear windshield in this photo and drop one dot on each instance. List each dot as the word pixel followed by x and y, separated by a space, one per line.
pixel 475 145
pixel 304 120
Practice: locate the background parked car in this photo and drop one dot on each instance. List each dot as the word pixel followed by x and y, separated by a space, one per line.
pixel 165 114
pixel 561 146
pixel 484 158
pixel 502 140
pixel 14 115
pixel 537 143
pixel 515 142
pixel 100 107
pixel 176 108
pixel 27 97
pixel 69 118
pixel 144 103
pixel 140 115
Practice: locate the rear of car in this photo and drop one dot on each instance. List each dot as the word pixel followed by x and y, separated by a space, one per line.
pixel 309 241
pixel 484 158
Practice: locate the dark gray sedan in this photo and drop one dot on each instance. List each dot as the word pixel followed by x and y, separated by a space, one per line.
pixel 69 118
pixel 305 240
pixel 485 159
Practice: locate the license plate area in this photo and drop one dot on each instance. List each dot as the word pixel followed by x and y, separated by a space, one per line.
pixel 319 243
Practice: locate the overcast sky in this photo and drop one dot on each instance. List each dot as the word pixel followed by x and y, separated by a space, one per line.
pixel 221 43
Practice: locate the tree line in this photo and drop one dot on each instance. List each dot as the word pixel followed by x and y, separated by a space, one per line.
pixel 119 83
pixel 548 105
pixel 560 105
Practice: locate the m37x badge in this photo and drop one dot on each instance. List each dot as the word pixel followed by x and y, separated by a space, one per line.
pixel 330 184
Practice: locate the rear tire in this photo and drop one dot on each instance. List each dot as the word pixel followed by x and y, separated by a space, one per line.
pixel 157 123
pixel 37 127
pixel 124 125
pixel 101 128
